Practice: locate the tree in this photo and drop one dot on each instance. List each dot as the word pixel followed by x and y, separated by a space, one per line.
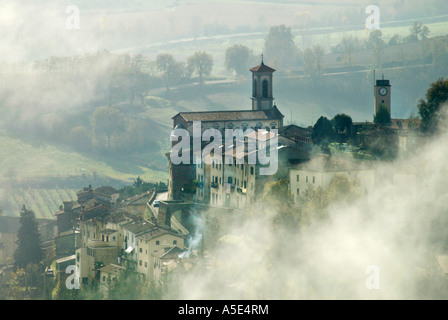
pixel 375 39
pixel 128 285
pixel 430 110
pixel 138 182
pixel 322 131
pixel 200 63
pixel 418 31
pixel 277 196
pixel 341 191
pixel 170 69
pixel 108 122
pixel 342 122
pixel 237 58
pixel 348 46
pixel 279 46
pixel 414 122
pixel 312 58
pixel 394 41
pixel 376 43
pixel 382 116
pixel 29 250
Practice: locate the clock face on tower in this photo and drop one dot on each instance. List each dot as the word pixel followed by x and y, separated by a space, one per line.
pixel 383 91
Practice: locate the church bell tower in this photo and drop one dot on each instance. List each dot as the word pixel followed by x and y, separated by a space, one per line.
pixel 262 96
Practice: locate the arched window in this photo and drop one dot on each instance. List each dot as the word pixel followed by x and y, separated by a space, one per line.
pixel 265 88
pixel 230 126
pixel 254 88
pixel 258 125
pixel 273 125
pixel 244 126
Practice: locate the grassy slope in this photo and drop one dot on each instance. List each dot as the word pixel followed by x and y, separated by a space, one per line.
pixel 42 160
pixel 44 202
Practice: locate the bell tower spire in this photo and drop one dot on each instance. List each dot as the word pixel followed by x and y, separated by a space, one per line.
pixel 262 93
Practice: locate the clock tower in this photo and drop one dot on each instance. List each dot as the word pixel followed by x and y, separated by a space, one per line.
pixel 382 95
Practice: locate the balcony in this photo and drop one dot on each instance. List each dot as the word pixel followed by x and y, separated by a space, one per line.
pixel 214 185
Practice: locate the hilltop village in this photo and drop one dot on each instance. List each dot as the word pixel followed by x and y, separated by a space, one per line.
pixel 100 233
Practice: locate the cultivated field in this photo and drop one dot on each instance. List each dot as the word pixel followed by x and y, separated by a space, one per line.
pixel 44 202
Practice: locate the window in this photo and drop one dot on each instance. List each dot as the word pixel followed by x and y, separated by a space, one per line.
pixel 229 180
pixel 174 242
pixel 230 125
pixel 265 88
pixel 252 170
pixel 298 191
pixel 140 262
pixel 306 179
pixel 146 264
pixel 141 250
pixel 273 125
pixel 314 179
pixel 298 178
pixel 157 242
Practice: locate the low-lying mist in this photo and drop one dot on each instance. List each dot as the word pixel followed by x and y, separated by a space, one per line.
pixel 383 245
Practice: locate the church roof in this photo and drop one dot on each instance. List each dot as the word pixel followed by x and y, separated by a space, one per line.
pixel 262 68
pixel 272 114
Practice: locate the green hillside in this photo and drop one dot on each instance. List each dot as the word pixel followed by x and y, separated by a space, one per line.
pixel 22 160
pixel 44 202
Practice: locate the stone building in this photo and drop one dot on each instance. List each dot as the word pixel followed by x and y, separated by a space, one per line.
pixel 219 183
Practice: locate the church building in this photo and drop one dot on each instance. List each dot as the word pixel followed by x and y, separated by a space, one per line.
pixel 184 179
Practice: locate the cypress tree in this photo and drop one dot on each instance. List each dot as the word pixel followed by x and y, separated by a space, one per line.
pixel 29 248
